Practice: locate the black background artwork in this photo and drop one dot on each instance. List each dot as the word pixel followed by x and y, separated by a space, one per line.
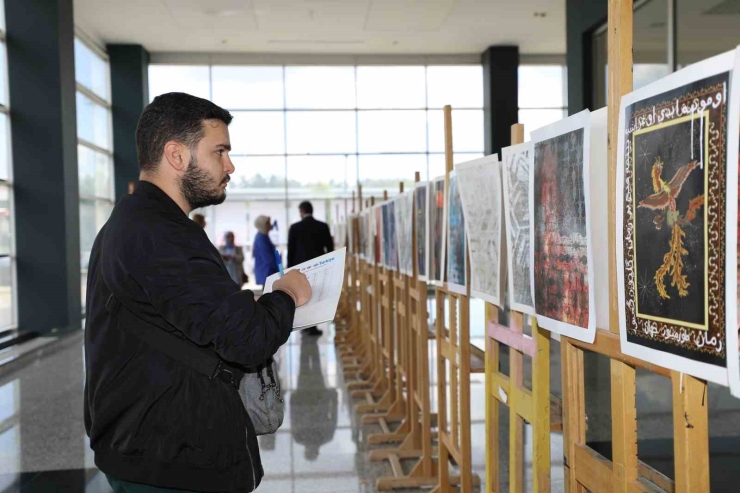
pixel 674 147
pixel 671 144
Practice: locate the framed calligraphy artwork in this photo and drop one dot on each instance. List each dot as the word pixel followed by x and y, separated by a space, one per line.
pixel 671 220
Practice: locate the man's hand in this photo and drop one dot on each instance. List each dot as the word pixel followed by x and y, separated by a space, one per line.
pixel 296 285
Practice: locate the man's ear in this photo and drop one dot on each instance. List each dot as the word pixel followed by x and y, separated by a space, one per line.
pixel 177 155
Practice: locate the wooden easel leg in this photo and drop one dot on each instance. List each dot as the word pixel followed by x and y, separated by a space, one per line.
pixel 382 405
pixel 388 436
pixel 396 412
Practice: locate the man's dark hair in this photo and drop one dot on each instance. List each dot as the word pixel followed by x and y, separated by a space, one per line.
pixel 174 116
pixel 306 207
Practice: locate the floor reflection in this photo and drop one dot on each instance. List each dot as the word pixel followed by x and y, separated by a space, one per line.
pixel 320 446
pixel 313 405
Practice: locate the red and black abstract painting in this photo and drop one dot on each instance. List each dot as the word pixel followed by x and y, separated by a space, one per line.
pixel 561 289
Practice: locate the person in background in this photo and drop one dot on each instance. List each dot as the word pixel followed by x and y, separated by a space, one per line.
pixel 263 251
pixel 200 220
pixel 308 239
pixel 233 256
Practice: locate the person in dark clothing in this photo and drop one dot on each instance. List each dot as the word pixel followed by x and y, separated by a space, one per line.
pixel 308 239
pixel 155 423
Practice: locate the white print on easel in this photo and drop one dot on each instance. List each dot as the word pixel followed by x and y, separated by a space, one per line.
pixel 515 163
pixel 404 232
pixel 479 185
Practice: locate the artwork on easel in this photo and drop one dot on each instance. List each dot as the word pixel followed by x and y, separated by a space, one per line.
pixel 355 225
pixel 456 242
pixel 390 245
pixel 479 185
pixel 377 212
pixel 671 220
pixel 562 268
pixel 732 241
pixel 369 230
pixel 339 235
pixel 516 161
pixel 355 235
pixel 404 232
pixel 363 236
pixel 421 211
pixel 437 230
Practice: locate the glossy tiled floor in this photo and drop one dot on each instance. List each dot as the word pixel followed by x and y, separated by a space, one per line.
pixel 320 447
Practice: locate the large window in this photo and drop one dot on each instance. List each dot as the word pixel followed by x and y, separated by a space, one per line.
pixel 8 318
pixel 669 35
pixel 543 96
pixel 313 132
pixel 94 146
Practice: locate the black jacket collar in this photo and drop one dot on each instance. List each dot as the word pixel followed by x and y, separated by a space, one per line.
pixel 151 191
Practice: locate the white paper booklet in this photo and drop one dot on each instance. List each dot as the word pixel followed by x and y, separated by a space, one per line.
pixel 326 277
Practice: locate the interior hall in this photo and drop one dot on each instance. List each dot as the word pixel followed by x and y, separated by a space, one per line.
pixel 533 206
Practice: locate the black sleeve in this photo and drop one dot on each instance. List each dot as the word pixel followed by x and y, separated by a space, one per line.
pixel 292 245
pixel 195 295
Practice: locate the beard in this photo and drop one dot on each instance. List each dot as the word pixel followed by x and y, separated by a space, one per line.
pixel 198 187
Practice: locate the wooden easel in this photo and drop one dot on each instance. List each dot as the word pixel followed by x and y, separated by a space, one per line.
pixel 349 341
pixel 382 394
pixel 455 351
pixel 415 432
pixel 584 468
pixel 398 374
pixel 537 406
pixel 343 318
pixel 364 364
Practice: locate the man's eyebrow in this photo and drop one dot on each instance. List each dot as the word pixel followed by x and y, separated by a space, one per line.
pixel 225 146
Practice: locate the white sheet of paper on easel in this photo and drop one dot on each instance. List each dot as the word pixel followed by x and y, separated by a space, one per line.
pixel 326 276
pixel 599 209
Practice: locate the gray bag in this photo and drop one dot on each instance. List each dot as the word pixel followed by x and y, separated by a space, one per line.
pixel 260 393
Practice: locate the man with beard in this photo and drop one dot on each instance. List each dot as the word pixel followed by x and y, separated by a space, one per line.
pixel 168 333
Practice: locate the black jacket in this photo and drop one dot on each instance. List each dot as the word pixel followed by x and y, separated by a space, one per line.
pixel 150 418
pixel 308 239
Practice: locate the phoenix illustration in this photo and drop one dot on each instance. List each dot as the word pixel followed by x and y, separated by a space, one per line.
pixel 663 201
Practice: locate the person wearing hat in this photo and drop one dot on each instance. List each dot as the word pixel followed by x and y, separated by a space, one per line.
pixel 263 251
